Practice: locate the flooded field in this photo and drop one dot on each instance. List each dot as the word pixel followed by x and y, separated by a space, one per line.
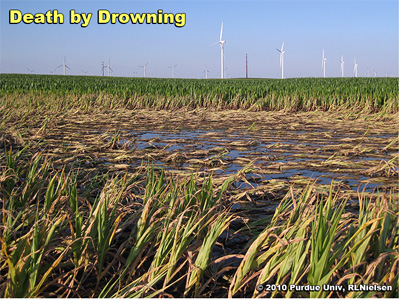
pixel 282 148
pixel 123 188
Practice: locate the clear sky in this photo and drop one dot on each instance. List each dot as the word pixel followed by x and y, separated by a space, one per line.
pixel 367 31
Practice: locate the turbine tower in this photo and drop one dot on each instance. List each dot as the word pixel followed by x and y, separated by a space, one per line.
pixel 102 68
pixel 247 70
pixel 281 57
pixel 109 68
pixel 323 61
pixel 206 71
pixel 342 66
pixel 355 68
pixel 64 65
pixel 144 69
pixel 221 43
pixel 173 71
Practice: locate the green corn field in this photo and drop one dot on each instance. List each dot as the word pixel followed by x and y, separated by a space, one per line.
pixel 377 94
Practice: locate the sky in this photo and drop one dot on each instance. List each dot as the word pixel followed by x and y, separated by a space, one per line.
pixel 363 30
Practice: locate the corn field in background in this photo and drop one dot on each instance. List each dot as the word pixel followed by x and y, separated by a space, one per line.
pixel 369 94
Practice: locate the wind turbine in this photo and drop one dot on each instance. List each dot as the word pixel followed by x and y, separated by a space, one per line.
pixel 281 57
pixel 368 73
pixel 109 68
pixel 323 61
pixel 102 68
pixel 64 65
pixel 31 71
pixel 342 65
pixel 144 69
pixel 247 69
pixel 355 68
pixel 206 71
pixel 221 43
pixel 84 72
pixel 173 71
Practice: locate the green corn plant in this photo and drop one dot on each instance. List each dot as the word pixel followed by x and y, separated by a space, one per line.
pixel 293 244
pixel 183 236
pixel 25 261
pixel 76 226
pixel 203 257
pixel 13 171
pixel 103 220
pixel 294 94
pixel 35 180
pixel 323 232
pixel 363 217
pixel 145 229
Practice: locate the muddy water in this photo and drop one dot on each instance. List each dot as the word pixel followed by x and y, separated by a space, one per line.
pixel 276 154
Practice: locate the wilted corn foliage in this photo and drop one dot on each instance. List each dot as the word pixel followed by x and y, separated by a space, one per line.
pixel 121 243
pixel 156 236
pixel 311 241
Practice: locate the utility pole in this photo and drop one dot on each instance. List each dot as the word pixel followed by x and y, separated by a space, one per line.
pixel 247 70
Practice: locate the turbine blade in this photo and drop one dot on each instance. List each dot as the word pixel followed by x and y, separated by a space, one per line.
pixel 220 36
pixel 282 46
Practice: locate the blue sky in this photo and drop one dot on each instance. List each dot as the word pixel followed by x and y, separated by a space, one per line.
pixel 367 31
